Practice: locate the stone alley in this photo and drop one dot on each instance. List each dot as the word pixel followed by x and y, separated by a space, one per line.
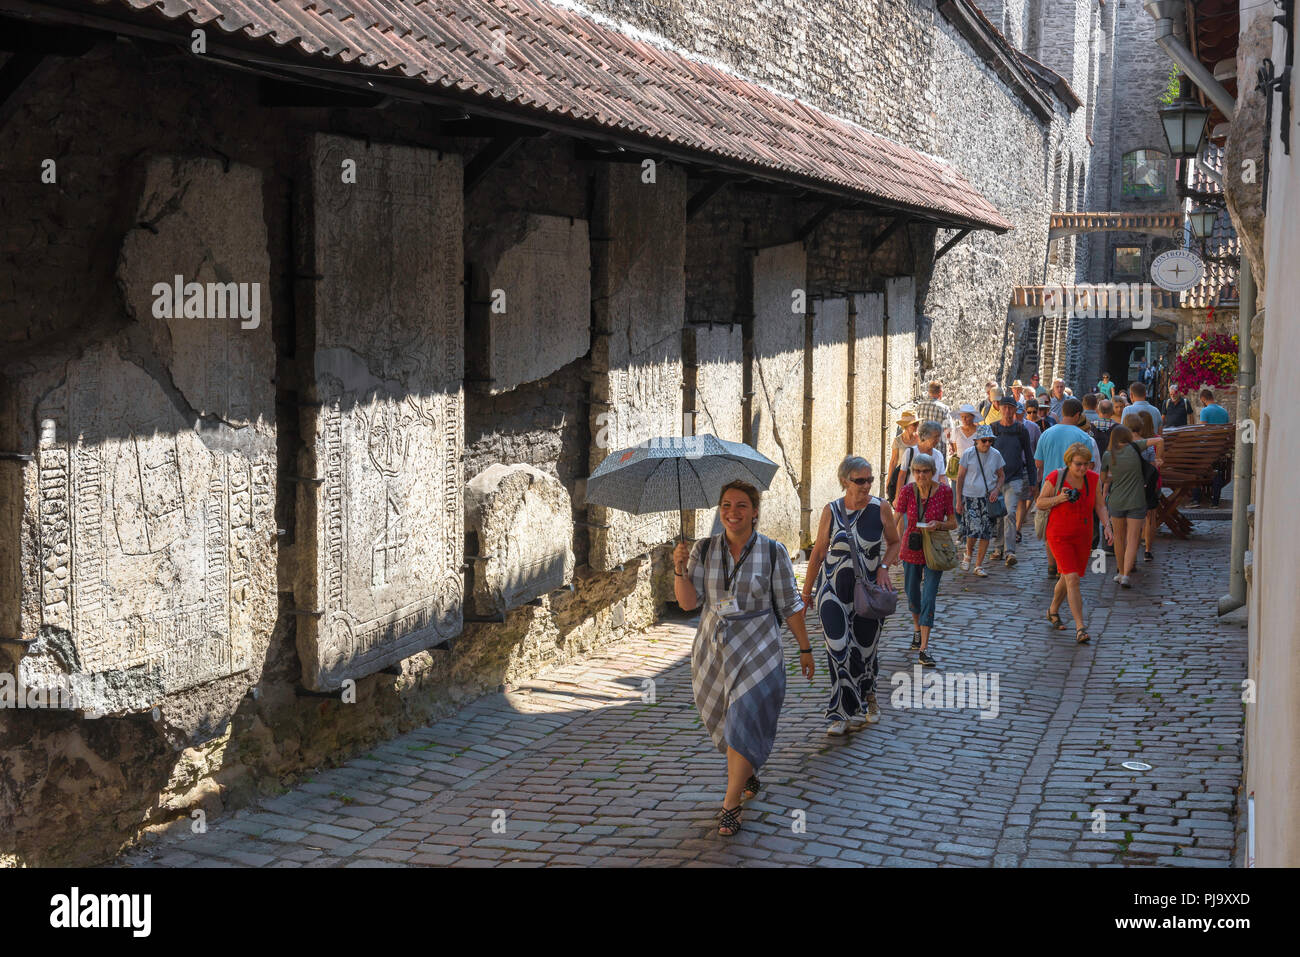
pixel 579 768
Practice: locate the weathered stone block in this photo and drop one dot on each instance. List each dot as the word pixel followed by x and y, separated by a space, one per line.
pixel 381 535
pixel 871 438
pixel 714 358
pixel 150 563
pixel 523 520
pixel 828 430
pixel 900 306
pixel 777 410
pixel 638 305
pixel 532 301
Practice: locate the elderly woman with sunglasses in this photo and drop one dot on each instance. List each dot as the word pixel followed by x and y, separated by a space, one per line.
pixel 856 528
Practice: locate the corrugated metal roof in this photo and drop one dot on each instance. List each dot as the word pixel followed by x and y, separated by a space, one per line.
pixel 555 61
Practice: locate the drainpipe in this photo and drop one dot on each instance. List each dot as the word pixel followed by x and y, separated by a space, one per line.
pixel 1243 454
pixel 1165 13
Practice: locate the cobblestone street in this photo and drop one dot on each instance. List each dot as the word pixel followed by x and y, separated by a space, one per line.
pixel 576 769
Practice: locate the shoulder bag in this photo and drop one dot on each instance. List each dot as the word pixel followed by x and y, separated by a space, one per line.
pixel 937 544
pixel 1150 478
pixel 1043 514
pixel 998 508
pixel 869 599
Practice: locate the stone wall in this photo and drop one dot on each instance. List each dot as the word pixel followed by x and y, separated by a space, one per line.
pixel 169 554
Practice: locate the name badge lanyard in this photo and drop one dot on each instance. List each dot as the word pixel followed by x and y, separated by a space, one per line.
pixel 728 606
pixel 729 579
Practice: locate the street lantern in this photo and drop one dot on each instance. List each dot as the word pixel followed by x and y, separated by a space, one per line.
pixel 1203 219
pixel 1184 121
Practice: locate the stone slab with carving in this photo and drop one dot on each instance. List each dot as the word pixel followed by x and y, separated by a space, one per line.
pixel 150 566
pixel 531 312
pixel 638 305
pixel 777 410
pixel 900 303
pixel 523 520
pixel 381 530
pixel 869 387
pixel 828 431
pixel 714 359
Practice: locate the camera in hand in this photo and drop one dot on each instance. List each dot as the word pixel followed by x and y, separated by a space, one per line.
pixel 1071 494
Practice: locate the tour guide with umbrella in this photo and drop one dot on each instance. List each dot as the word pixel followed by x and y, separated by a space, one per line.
pixel 742 580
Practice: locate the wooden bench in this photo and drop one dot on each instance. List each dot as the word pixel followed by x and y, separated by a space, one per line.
pixel 1190 457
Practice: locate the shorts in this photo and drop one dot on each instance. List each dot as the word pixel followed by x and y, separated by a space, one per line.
pixel 975 521
pixel 1139 512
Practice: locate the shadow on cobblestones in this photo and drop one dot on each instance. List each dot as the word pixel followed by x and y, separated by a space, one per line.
pixel 578 768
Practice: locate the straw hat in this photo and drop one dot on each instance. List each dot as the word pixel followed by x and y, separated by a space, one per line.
pixel 1017 384
pixel 906 419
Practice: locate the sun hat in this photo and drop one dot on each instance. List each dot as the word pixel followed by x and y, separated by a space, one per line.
pixel 1017 384
pixel 984 432
pixel 906 419
pixel 966 409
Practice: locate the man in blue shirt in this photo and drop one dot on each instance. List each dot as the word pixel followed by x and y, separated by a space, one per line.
pixel 1011 439
pixel 1138 392
pixel 1211 412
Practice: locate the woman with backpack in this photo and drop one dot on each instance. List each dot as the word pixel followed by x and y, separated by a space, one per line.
pixel 1124 486
pixel 1147 430
pixel 1067 501
pixel 857 538
pixel 744 581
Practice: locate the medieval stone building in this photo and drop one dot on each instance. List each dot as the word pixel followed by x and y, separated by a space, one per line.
pixel 314 328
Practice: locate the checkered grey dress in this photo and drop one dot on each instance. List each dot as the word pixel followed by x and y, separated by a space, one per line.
pixel 737 665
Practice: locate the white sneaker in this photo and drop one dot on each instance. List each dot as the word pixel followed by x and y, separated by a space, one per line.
pixel 965 563
pixel 1117 578
pixel 980 572
pixel 858 722
pixel 837 728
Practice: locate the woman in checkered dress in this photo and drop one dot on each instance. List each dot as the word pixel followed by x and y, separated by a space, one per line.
pixel 740 579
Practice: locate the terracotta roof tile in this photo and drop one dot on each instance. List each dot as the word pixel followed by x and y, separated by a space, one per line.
pixel 559 62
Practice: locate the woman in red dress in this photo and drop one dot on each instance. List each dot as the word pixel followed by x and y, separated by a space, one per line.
pixel 1069 530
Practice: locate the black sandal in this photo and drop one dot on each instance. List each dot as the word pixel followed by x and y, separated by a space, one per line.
pixel 1084 632
pixel 1055 618
pixel 730 821
pixel 752 787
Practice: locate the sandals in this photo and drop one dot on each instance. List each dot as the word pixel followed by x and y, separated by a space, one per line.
pixel 1055 618
pixel 752 787
pixel 729 823
pixel 1081 636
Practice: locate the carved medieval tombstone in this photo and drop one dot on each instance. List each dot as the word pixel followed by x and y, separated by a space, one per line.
pixel 828 427
pixel 638 305
pixel 380 516
pixel 150 567
pixel 777 372
pixel 531 303
pixel 523 520
pixel 713 360
pixel 872 431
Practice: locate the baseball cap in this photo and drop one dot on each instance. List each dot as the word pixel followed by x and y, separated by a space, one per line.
pixel 1007 400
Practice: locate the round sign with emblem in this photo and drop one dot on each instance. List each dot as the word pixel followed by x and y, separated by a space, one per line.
pixel 1177 270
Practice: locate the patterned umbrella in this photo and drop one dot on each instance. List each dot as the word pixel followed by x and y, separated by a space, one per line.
pixel 675 473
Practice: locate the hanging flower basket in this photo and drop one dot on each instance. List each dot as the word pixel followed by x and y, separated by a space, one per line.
pixel 1208 360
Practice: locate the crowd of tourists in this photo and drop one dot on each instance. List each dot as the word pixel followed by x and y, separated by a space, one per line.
pixel 1084 469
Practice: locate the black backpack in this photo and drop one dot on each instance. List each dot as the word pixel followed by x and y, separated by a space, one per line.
pixel 771 558
pixel 1150 478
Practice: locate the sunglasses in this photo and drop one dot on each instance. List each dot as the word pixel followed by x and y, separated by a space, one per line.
pixel 983 440
pixel 863 481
